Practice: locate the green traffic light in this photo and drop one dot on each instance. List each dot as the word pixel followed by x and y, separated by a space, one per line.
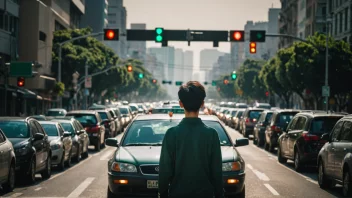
pixel 159 30
pixel 140 75
pixel 159 38
pixel 259 36
pixel 234 76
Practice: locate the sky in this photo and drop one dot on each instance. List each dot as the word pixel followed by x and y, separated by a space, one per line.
pixel 197 14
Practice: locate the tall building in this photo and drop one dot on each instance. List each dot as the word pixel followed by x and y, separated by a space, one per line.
pixel 288 21
pixel 273 27
pixel 117 15
pixel 315 17
pixel 96 16
pixel 262 48
pixel 155 67
pixel 302 10
pixel 137 49
pixel 237 54
pixel 221 67
pixel 207 58
pixel 341 14
pixel 188 64
pixel 179 65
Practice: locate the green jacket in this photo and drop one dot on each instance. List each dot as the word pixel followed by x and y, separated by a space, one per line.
pixel 190 161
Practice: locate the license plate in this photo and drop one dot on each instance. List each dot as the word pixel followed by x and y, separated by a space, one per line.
pixel 152 184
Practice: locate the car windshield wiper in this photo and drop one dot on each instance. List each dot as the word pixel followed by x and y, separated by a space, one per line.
pixel 143 144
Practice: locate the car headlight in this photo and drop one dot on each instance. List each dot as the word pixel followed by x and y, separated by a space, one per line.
pixel 23 150
pixel 123 167
pixel 55 146
pixel 231 166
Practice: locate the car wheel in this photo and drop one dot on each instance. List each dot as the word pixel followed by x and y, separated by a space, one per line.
pixel 78 156
pixel 31 174
pixel 110 194
pixel 10 183
pixel 97 146
pixel 266 146
pixel 102 145
pixel 281 159
pixel 323 181
pixel 85 154
pixel 271 147
pixel 347 184
pixel 68 162
pixel 61 166
pixel 46 174
pixel 298 163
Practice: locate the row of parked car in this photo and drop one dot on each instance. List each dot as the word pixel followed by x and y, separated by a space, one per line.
pixel 308 138
pixel 35 144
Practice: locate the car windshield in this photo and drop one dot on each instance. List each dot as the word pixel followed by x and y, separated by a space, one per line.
pixel 321 125
pixel 15 129
pixel 68 127
pixel 254 114
pixel 50 129
pixel 152 132
pixel 123 110
pixel 55 113
pixel 85 119
pixel 103 115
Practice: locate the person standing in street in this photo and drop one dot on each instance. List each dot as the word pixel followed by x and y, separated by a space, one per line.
pixel 190 161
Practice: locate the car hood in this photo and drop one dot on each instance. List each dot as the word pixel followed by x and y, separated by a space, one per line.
pixel 151 154
pixel 18 142
pixel 53 138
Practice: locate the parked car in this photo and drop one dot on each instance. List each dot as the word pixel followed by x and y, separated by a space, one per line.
pixel 250 118
pixel 119 119
pixel 126 114
pixel 31 144
pixel 237 119
pixel 109 123
pixel 259 128
pixel 56 113
pixel 230 117
pixel 60 143
pixel 93 124
pixel 8 160
pixel 262 105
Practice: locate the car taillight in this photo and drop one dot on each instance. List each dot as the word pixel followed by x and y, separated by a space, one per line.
pixel 95 129
pixel 247 120
pixel 275 128
pixel 309 137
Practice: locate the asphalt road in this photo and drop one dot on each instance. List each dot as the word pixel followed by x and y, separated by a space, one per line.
pixel 265 178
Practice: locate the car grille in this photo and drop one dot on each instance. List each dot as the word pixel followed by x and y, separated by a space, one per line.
pixel 149 169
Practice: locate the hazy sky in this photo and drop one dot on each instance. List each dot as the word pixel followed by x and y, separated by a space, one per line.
pixel 197 14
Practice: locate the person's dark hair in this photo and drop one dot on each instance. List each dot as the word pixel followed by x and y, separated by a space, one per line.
pixel 192 96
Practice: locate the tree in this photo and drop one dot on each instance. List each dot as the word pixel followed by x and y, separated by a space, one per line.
pixel 226 90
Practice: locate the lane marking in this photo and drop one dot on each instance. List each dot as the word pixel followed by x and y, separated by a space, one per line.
pixel 250 166
pixel 259 174
pixel 107 154
pixel 81 188
pixel 271 189
pixel 38 189
pixel 16 195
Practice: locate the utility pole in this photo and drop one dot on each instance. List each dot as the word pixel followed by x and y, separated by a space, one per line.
pixel 85 89
pixel 327 65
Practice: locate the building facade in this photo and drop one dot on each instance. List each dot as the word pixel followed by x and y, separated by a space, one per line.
pixel 272 43
pixel 288 21
pixel 137 49
pixel 117 16
pixel 341 24
pixel 301 18
pixel 188 64
pixel 207 59
pixel 96 16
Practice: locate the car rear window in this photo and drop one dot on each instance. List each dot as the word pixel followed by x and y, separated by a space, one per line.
pixel 255 114
pixel 321 125
pixel 85 119
pixel 268 116
pixel 167 110
pixel 103 115
pixel 15 129
pixel 284 118
pixel 156 130
pixel 55 113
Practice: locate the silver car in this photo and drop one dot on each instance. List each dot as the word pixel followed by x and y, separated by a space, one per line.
pixel 60 143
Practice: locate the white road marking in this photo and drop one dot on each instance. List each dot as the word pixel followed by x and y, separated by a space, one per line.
pixel 271 189
pixel 107 154
pixel 38 189
pixel 250 166
pixel 259 174
pixel 16 194
pixel 81 188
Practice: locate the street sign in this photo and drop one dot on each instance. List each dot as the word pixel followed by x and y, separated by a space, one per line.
pixel 325 91
pixel 21 69
pixel 88 82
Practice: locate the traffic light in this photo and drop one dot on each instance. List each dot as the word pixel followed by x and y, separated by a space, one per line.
pixel 213 83
pixel 154 81
pixel 140 75
pixel 20 82
pixel 267 94
pixel 234 75
pixel 178 83
pixel 257 36
pixel 205 83
pixel 111 34
pixel 253 47
pixel 129 68
pixel 159 35
pixel 226 82
pixel 237 36
pixel 166 82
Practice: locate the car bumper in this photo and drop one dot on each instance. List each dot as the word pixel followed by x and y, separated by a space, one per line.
pixel 93 139
pixel 23 163
pixel 56 156
pixel 137 184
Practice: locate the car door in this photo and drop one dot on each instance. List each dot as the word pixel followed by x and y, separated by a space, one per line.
pixel 80 135
pixel 4 158
pixel 38 145
pixel 294 134
pixel 329 163
pixel 342 148
pixel 285 137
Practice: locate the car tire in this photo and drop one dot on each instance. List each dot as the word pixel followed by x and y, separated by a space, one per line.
pixel 347 184
pixel 281 159
pixel 78 156
pixel 97 146
pixel 266 146
pixel 31 173
pixel 10 183
pixel 102 145
pixel 110 194
pixel 323 181
pixel 61 166
pixel 297 162
pixel 271 147
pixel 68 162
pixel 255 140
pixel 242 194
pixel 46 174
pixel 85 154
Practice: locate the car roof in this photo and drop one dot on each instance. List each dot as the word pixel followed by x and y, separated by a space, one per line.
pixel 47 122
pixel 14 118
pixel 175 116
pixel 63 120
pixel 56 109
pixel 82 112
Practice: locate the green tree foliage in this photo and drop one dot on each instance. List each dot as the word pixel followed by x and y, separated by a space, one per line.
pixel 226 90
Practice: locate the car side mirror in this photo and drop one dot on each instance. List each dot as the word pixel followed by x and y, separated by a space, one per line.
pixel 241 142
pixel 82 131
pixel 325 137
pixel 67 134
pixel 112 142
pixel 38 136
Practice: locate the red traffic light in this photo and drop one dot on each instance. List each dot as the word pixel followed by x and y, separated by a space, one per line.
pixel 111 34
pixel 154 81
pixel 20 82
pixel 129 68
pixel 226 81
pixel 252 47
pixel 267 94
pixel 237 35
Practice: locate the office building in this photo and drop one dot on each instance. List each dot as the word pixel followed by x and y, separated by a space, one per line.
pixel 272 43
pixel 341 24
pixel 188 64
pixel 288 21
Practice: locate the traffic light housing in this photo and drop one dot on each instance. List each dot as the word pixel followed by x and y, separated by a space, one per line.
pixel 205 83
pixel 257 36
pixel 166 82
pixel 159 35
pixel 140 75
pixel 178 83
pixel 234 75
pixel 253 47
pixel 267 94
pixel 129 68
pixel 111 34
pixel 213 83
pixel 20 81
pixel 237 36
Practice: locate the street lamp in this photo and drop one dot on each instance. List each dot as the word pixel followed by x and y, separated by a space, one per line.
pixel 328 21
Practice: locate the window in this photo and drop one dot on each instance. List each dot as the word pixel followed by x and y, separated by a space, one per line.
pixel 336 23
pixel 346 19
pixel 323 11
pixel 40 128
pixel 50 129
pixel 341 22
pixel 112 22
pixel 42 36
pixel 321 125
pixel 346 132
pixel 85 119
pixel 103 115
pixel 112 14
pixel 301 123
pixel 2 137
pixel 330 6
pixel 6 27
pixel 15 129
